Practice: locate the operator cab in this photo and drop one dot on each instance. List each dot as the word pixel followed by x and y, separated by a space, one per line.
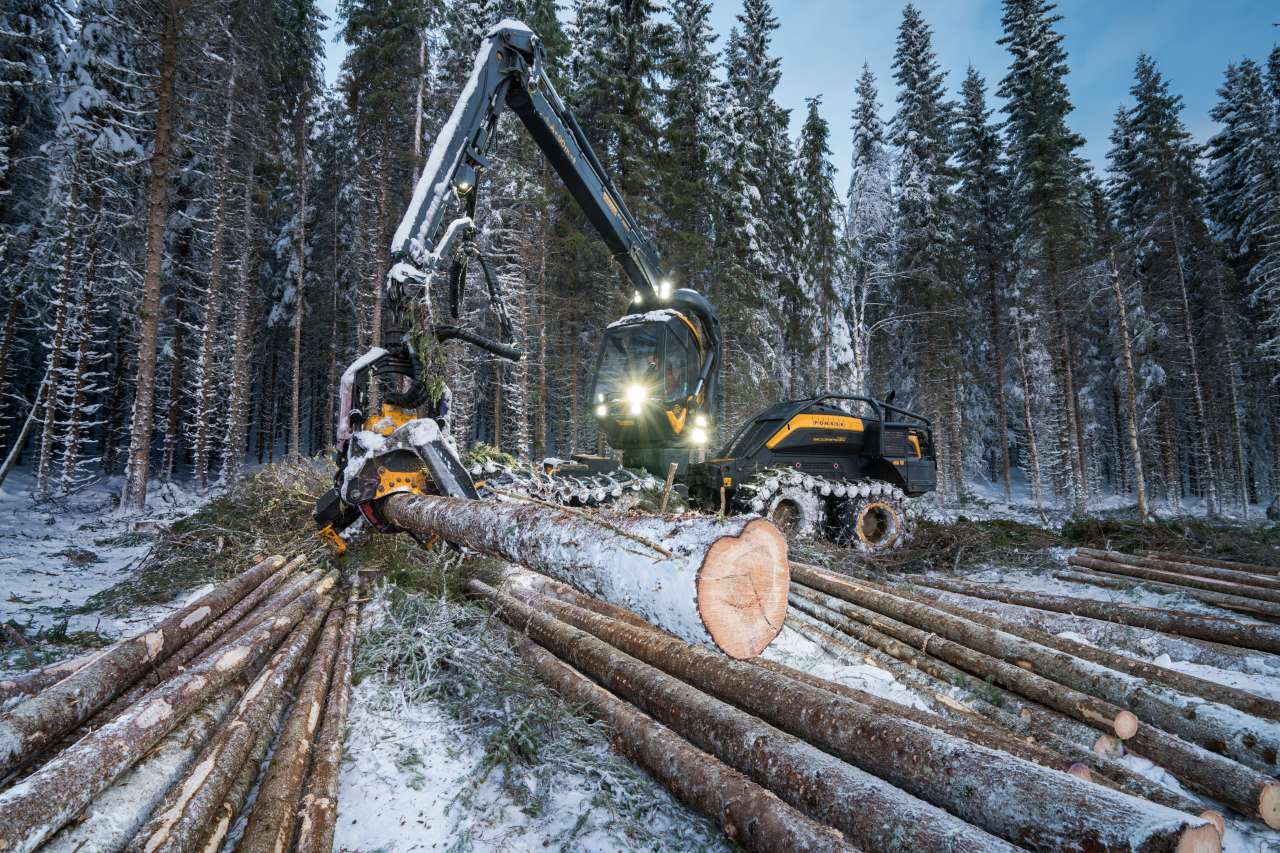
pixel 645 380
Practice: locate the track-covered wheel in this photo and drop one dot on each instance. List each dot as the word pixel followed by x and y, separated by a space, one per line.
pixel 872 518
pixel 792 502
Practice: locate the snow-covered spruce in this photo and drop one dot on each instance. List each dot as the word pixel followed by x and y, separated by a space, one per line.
pixel 1230 632
pixel 60 708
pixel 52 796
pixel 116 815
pixel 721 583
pixel 271 823
pixel 1025 803
pixel 747 813
pixel 192 805
pixel 885 819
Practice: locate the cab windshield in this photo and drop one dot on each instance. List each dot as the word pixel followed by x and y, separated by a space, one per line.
pixel 630 356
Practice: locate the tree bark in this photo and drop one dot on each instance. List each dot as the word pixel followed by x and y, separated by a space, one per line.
pixel 1260 609
pixel 116 814
pixel 1180 568
pixel 192 805
pixel 973 782
pixel 300 280
pixel 1256 568
pixel 62 707
pixel 885 819
pixel 1169 578
pixel 1264 638
pixel 134 496
pixel 235 442
pixel 719 583
pixel 1131 392
pixel 52 796
pixel 748 814
pixel 319 810
pixel 271 823
pixel 31 683
pixel 997 368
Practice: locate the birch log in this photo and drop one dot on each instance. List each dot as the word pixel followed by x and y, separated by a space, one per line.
pixel 720 583
pixel 1231 632
pixel 1257 568
pixel 749 815
pixel 46 800
pixel 1191 569
pixel 978 710
pixel 1201 583
pixel 1243 700
pixel 1243 737
pixel 33 724
pixel 870 812
pixel 116 815
pixel 192 805
pixel 1238 603
pixel 271 823
pixel 1022 802
pixel 319 810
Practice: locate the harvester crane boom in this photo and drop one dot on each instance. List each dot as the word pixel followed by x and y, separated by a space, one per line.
pixel 510 72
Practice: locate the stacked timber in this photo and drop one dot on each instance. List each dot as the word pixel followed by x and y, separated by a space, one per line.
pixel 1219 741
pixel 154 743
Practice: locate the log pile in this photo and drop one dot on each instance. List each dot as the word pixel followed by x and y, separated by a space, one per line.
pixel 156 742
pixel 800 750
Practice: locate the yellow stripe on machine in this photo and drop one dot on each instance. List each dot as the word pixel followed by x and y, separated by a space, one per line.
pixel 842 423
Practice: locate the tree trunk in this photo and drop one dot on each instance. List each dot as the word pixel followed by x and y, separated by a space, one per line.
pixel 1177 567
pixel 173 414
pixel 134 496
pixel 192 805
pixel 31 683
pixel 319 810
pixel 1264 638
pixel 748 814
pixel 720 583
pixel 59 709
pixel 1131 393
pixel 300 281
pixel 1033 447
pixel 1086 559
pixel 971 781
pixel 998 380
pixel 271 823
pixel 885 819
pixel 57 345
pixel 1254 568
pixel 57 792
pixel 235 443
pixel 116 814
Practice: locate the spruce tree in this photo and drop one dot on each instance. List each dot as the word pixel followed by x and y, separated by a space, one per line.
pixel 816 325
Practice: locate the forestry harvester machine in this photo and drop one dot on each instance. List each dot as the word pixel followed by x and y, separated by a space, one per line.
pixel 831 465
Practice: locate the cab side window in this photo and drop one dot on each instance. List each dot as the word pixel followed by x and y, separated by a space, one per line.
pixel 676 368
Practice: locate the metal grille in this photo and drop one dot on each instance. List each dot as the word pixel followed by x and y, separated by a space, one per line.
pixel 895 441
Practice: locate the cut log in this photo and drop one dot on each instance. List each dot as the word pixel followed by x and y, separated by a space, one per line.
pixel 520 582
pixel 1212 691
pixel 1054 810
pixel 30 726
pixel 320 803
pixel 30 683
pixel 1037 727
pixel 1214 775
pixel 46 800
pixel 720 583
pixel 1246 591
pixel 1257 568
pixel 1187 569
pixel 116 815
pixel 215 634
pixel 872 813
pixel 271 823
pixel 191 807
pixel 1265 638
pixel 748 814
pixel 1250 606
pixel 1081 706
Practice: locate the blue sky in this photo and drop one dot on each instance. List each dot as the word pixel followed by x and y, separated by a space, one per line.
pixel 823 43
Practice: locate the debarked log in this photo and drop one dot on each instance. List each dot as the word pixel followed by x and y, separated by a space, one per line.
pixel 720 583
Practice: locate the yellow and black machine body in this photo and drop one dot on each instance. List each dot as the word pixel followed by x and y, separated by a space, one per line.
pixel 833 465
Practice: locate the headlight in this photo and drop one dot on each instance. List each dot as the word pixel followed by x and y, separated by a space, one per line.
pixel 602 411
pixel 664 289
pixel 636 397
pixel 700 420
pixel 637 299
pixel 698 436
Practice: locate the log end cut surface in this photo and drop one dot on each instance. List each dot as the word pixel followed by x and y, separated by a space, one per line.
pixel 742 589
pixel 1269 805
pixel 1200 839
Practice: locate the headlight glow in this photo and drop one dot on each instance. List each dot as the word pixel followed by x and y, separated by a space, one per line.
pixel 664 288
pixel 700 420
pixel 637 299
pixel 602 411
pixel 698 436
pixel 636 397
